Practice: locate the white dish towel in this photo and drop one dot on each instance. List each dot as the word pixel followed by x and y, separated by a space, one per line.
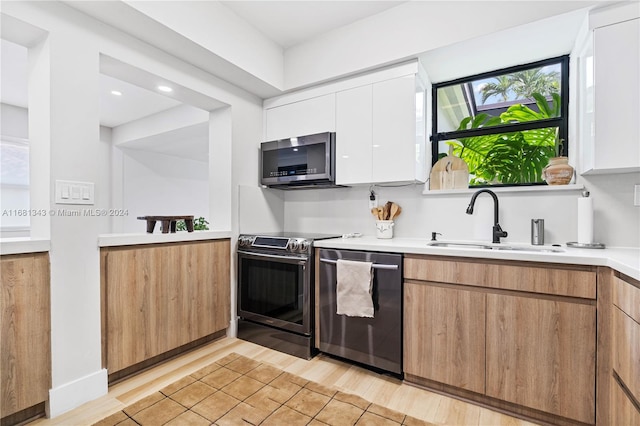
pixel 353 288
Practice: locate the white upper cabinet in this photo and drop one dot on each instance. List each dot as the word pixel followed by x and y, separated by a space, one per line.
pixel 376 132
pixel 612 145
pixel 379 120
pixel 394 130
pixel 354 129
pixel 304 117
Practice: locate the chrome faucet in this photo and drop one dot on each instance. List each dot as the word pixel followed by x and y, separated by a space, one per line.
pixel 497 230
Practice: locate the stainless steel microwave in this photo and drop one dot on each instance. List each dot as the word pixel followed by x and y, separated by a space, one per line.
pixel 299 162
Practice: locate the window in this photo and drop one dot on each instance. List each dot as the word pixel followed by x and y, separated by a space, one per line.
pixel 504 124
pixel 14 187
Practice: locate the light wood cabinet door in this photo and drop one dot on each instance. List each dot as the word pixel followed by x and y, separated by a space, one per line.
pixel 25 328
pixel 541 354
pixel 626 338
pixel 161 297
pixel 626 351
pixel 444 335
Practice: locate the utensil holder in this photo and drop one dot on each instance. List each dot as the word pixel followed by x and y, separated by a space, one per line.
pixel 384 229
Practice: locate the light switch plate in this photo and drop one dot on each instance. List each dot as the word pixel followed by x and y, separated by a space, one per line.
pixel 71 192
pixel 636 195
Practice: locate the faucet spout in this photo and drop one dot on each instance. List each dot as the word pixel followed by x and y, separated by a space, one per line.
pixel 497 230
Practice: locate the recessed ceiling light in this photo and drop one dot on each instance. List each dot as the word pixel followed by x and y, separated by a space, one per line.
pixel 165 89
pixel 116 93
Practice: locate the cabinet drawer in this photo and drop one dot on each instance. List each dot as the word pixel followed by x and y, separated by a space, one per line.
pixel 626 352
pixel 626 296
pixel 623 411
pixel 542 278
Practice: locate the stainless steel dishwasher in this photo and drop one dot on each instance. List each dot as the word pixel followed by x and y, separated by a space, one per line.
pixel 377 341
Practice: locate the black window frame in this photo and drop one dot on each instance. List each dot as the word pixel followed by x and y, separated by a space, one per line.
pixel 562 122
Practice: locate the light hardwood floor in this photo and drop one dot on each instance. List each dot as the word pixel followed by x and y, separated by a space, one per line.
pixel 383 390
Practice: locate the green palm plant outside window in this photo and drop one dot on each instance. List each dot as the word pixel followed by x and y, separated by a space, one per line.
pixel 514 157
pixel 505 124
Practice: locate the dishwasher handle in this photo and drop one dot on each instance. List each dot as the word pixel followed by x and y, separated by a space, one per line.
pixel 374 266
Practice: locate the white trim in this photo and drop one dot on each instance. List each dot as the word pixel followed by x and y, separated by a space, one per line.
pixel 399 70
pixel 75 393
pixel 21 245
pixel 14 140
pixel 504 189
pixel 15 186
pixel 110 240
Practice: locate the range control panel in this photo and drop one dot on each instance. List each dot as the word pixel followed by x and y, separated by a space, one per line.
pixel 282 244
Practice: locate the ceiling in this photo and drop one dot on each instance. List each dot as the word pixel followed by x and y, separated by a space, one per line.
pixel 285 22
pixel 134 103
pixel 291 22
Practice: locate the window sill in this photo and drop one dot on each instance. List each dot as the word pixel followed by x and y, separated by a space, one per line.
pixel 508 189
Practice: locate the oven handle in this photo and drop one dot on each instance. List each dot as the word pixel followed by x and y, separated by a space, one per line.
pixel 272 256
pixel 374 266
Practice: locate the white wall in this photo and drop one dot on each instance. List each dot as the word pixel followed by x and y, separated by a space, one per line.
pixel 159 184
pixel 65 113
pixel 617 220
pixel 219 30
pixel 406 31
pixel 345 210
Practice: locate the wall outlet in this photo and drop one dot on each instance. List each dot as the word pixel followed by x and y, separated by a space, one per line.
pixel 636 195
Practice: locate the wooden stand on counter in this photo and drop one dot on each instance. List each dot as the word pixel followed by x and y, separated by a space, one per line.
pixel 168 222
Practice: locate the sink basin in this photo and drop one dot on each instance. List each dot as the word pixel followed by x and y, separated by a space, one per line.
pixel 459 245
pixel 490 246
pixel 529 248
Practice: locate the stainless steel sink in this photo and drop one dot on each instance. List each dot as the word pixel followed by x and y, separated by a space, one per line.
pixel 529 248
pixel 537 249
pixel 459 245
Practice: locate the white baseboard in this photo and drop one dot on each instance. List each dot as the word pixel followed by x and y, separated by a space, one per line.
pixel 232 330
pixel 73 394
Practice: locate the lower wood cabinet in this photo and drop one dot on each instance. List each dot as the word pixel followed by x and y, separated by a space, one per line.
pixel 25 335
pixel 160 297
pixel 625 374
pixel 540 353
pixel 444 335
pixel 505 334
pixel 623 412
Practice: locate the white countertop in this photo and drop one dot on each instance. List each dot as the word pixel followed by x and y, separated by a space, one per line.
pixel 624 260
pixel 23 245
pixel 111 240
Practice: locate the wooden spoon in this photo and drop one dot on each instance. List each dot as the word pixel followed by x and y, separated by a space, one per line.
pixel 398 210
pixel 374 211
pixel 386 212
pixel 394 211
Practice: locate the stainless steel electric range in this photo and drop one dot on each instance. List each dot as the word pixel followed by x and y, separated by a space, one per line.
pixel 275 297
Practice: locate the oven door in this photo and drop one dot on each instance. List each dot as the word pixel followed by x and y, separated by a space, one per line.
pixel 275 290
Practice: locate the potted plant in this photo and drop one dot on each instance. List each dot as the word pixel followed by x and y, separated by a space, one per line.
pixel 558 171
pixel 199 224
